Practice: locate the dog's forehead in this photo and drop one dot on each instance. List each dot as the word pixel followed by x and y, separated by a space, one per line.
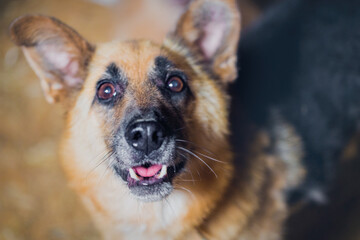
pixel 135 59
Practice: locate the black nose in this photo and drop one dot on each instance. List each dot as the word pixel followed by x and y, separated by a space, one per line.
pixel 145 136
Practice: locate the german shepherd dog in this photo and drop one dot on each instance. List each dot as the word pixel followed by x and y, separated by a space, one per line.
pixel 146 143
pixel 300 72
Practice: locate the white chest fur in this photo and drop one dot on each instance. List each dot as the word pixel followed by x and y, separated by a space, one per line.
pixel 118 213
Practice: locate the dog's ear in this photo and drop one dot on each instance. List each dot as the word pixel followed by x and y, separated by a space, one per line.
pixel 58 55
pixel 212 27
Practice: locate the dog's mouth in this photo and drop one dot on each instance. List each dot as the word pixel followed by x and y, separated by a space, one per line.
pixel 147 174
pixel 150 181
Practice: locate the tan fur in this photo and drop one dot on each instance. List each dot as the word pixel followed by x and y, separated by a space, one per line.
pixel 210 200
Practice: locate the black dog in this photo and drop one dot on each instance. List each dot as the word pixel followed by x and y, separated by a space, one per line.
pixel 299 68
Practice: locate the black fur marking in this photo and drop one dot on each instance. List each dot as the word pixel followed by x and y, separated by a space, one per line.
pixel 162 66
pixel 165 69
pixel 116 74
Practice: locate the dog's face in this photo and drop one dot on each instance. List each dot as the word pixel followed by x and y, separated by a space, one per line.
pixel 146 105
pixel 142 103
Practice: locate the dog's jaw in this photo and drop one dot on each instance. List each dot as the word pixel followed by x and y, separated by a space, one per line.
pixel 152 182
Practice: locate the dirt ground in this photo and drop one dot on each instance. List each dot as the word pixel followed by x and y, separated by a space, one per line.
pixel 35 200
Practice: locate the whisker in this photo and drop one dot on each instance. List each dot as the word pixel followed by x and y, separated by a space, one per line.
pixel 190 171
pixel 187 190
pixel 196 156
pixel 104 152
pixel 187 170
pixel 107 168
pixel 208 157
pixel 197 146
pixel 179 129
pixel 192 177
pixel 102 160
pixel 168 203
pixel 187 180
pixel 183 155
pixel 198 173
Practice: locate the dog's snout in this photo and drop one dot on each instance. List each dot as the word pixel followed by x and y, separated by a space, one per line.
pixel 145 136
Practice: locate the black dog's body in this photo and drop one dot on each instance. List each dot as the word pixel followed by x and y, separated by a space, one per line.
pixel 302 61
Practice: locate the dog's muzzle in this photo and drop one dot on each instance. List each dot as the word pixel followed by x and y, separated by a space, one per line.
pixel 147 157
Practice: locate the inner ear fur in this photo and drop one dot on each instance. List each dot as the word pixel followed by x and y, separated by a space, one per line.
pixel 212 28
pixel 57 53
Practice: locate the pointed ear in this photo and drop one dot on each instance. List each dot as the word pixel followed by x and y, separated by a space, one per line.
pixel 58 55
pixel 212 27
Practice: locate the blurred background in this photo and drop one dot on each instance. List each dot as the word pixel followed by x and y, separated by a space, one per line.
pixel 35 201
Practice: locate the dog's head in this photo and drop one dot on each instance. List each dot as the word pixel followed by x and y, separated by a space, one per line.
pixel 145 105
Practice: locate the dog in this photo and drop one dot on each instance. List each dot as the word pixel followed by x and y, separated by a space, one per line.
pixel 146 141
pixel 307 83
pixel 299 79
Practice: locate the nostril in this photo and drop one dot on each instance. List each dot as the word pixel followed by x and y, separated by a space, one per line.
pixel 136 135
pixel 157 137
pixel 136 138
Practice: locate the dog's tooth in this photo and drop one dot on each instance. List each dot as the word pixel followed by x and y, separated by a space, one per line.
pixel 133 174
pixel 162 172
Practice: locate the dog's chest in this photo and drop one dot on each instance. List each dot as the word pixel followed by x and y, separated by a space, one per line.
pixel 119 214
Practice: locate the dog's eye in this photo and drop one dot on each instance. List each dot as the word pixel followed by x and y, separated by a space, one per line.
pixel 175 84
pixel 106 91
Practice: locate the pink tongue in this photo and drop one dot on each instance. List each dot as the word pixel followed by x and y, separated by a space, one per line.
pixel 148 172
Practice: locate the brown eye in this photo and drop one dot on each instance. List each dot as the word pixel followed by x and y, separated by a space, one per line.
pixel 175 84
pixel 106 91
